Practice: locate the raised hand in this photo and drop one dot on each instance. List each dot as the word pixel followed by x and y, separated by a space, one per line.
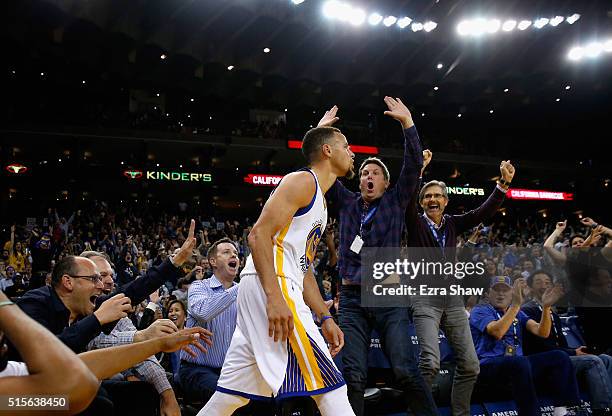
pixel 517 291
pixel 329 118
pixel 113 309
pixel 561 226
pixel 186 250
pixel 588 221
pixel 552 295
pixel 507 170
pixel 427 155
pixel 185 338
pixel 398 111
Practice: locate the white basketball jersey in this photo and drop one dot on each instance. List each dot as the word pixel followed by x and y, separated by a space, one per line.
pixel 295 245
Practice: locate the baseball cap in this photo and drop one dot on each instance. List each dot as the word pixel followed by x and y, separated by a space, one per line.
pixel 501 280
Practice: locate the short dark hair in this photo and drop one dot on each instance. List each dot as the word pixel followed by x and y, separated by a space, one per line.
pixel 66 265
pixel 314 139
pixel 575 236
pixel 180 302
pixel 376 161
pixel 429 185
pixel 212 251
pixel 533 274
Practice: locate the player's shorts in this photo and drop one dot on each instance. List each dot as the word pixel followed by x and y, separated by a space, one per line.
pixel 256 367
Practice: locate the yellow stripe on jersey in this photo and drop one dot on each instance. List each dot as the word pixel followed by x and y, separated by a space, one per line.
pixel 312 370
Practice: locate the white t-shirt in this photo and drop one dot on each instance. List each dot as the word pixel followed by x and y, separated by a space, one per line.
pixel 15 368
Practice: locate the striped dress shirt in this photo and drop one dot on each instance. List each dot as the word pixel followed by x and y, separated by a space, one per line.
pixel 213 307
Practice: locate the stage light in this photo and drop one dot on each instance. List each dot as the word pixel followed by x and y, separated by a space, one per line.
pixel 416 27
pixel 230 67
pixel 332 9
pixel 42 74
pixel 266 50
pixel 429 26
pixel 188 115
pixel 375 19
pixel 83 82
pixel 389 21
pixel 493 25
pixel 558 99
pixel 464 27
pixel 459 115
pixel 506 90
pixel 436 88
pixel 191 99
pixel 357 17
pixel 573 18
pixel 593 49
pixel 163 56
pixel 576 53
pixel 490 111
pixel 296 2
pixel 157 95
pixel 422 114
pixel 608 46
pixel 524 24
pixel 556 21
pixel 439 66
pixel 404 22
pixel 509 25
pixel 567 87
pixel 541 22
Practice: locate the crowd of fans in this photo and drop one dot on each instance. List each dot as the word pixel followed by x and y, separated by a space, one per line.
pixel 133 241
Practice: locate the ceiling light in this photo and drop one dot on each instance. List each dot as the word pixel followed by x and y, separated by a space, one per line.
pixel 389 21
pixel 163 56
pixel 357 17
pixel 464 28
pixel 573 18
pixel 490 111
pixel 296 2
pixel 459 115
pixel 416 27
pixel 493 25
pixel 230 67
pixel 506 90
pixel 332 9
pixel 608 46
pixel 567 87
pixel 436 88
pixel 429 26
pixel 509 25
pixel 541 22
pixel 375 19
pixel 593 49
pixel 439 66
pixel 524 24
pixel 575 53
pixel 404 22
pixel 266 50
pixel 556 21
pixel 558 99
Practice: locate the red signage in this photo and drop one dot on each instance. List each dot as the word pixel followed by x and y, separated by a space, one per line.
pixel 16 168
pixel 368 150
pixel 133 174
pixel 262 180
pixel 539 195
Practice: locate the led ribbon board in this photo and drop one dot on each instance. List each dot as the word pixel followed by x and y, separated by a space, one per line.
pixel 263 180
pixel 167 176
pixel 532 194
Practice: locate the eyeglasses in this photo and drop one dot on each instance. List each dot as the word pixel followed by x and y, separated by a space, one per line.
pixel 94 278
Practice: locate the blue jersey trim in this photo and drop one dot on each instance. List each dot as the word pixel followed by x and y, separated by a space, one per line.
pixel 305 209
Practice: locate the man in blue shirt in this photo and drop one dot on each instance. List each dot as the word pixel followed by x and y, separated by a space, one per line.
pixel 497 329
pixel 211 305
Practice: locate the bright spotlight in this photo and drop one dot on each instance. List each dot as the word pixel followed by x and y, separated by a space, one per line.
pixel 230 67
pixel 524 24
pixel 375 19
pixel 576 53
pixel 464 27
pixel 573 18
pixel 493 25
pixel 479 26
pixel 266 50
pixel 296 2
pixel 541 22
pixel 429 26
pixel 331 9
pixel 593 49
pixel 416 27
pixel 357 17
pixel 389 21
pixel 556 21
pixel 608 46
pixel 439 66
pixel 404 22
pixel 509 25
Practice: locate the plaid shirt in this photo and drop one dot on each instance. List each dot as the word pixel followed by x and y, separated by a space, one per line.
pixel 149 370
pixel 386 226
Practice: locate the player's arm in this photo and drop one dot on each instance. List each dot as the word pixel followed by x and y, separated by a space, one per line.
pixel 294 192
pixel 312 296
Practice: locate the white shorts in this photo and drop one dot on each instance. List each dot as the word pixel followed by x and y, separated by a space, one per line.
pixel 256 367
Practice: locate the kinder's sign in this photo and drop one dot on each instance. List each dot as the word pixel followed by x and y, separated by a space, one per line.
pixel 531 194
pixel 262 180
pixel 462 190
pixel 168 176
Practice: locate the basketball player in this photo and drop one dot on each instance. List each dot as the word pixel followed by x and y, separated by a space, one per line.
pixel 278 291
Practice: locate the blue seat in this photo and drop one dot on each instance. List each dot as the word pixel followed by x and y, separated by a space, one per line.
pixel 572 332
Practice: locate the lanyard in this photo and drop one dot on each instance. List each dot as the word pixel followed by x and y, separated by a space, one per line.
pixel 366 217
pixel 552 322
pixel 516 343
pixel 441 241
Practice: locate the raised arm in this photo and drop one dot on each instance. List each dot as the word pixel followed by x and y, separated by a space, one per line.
pixel 408 179
pixel 474 217
pixel 53 368
pixel 294 192
pixel 550 297
pixel 549 244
